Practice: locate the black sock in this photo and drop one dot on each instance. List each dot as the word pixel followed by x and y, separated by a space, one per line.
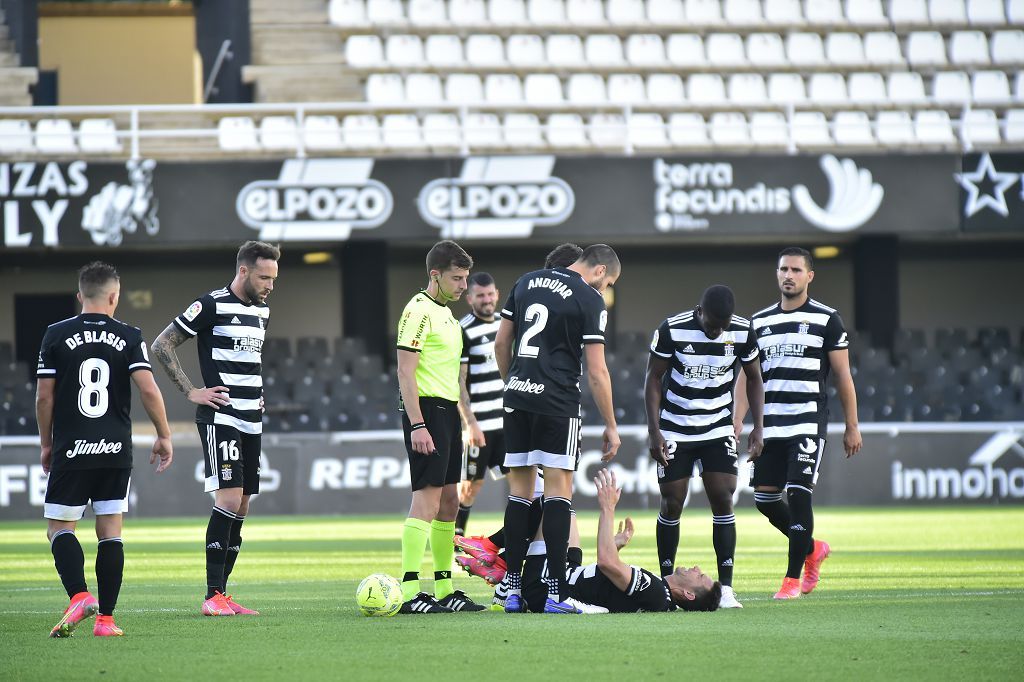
pixel 774 509
pixel 667 535
pixel 218 536
pixel 498 538
pixel 517 519
pixel 109 573
pixel 69 559
pixel 801 528
pixel 462 518
pixel 536 514
pixel 574 557
pixel 723 536
pixel 557 519
pixel 535 587
pixel 234 547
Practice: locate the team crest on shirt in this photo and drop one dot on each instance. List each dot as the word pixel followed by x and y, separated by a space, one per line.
pixel 730 349
pixel 805 327
pixel 193 311
pixel 260 320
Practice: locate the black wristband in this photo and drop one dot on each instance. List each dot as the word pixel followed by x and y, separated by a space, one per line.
pixel 417 426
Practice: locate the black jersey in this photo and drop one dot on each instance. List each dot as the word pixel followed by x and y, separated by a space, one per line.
pixel 555 314
pixel 230 335
pixel 482 378
pixel 646 591
pixel 794 348
pixel 92 357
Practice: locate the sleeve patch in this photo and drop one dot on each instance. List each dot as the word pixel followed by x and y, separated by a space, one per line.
pixel 193 311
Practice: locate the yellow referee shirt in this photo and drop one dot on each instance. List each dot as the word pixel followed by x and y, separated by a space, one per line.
pixel 429 328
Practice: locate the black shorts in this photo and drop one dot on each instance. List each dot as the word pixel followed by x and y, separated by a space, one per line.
pixel 444 466
pixel 490 456
pixel 232 458
pixel 540 439
pixel 794 460
pixel 717 456
pixel 69 492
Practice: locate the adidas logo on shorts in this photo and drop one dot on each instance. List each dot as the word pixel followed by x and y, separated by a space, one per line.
pixel 808 470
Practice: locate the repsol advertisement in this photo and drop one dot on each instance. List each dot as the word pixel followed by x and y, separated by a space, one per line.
pixel 368 472
pixel 144 203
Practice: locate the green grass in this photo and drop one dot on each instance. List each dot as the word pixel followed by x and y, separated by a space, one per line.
pixel 907 594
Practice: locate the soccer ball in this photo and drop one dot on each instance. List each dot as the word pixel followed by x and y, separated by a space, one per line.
pixel 379 595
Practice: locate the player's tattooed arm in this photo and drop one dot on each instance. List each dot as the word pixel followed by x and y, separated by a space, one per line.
pixel 163 350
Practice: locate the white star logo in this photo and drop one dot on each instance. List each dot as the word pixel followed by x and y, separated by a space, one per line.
pixel 976 201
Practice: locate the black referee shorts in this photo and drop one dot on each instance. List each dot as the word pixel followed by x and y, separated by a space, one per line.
pixel 444 465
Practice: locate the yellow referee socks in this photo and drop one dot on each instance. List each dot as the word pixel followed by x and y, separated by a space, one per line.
pixel 414 543
pixel 442 533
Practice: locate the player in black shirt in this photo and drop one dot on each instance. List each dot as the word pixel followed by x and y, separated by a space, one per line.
pixel 83 405
pixel 230 325
pixel 549 319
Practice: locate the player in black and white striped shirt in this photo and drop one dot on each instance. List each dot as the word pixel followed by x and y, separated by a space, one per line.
pixel 689 399
pixel 480 393
pixel 800 340
pixel 230 325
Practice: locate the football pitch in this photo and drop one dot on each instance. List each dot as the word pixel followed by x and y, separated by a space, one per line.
pixel 907 594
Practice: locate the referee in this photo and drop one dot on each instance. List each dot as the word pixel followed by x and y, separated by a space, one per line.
pixel 429 356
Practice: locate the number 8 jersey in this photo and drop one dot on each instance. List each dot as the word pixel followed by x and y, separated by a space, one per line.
pixel 91 357
pixel 555 314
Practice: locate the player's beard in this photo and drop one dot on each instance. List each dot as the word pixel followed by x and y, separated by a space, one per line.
pixel 485 311
pixel 795 293
pixel 251 293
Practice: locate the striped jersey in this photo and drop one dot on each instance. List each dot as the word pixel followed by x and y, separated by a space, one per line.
pixel 794 364
pixel 230 335
pixel 482 378
pixel 696 403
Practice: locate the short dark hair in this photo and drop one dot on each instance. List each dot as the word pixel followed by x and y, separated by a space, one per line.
pixel 703 601
pixel 601 254
pixel 252 251
pixel 480 279
pixel 797 251
pixel 93 278
pixel 563 256
pixel 718 302
pixel 445 255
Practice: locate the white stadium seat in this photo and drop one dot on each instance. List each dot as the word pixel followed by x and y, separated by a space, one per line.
pixel 986 12
pixel 279 132
pixel 645 49
pixel 743 13
pixel 685 50
pixel 805 49
pixel 546 12
pixel 507 12
pixel 362 131
pixel 766 50
pixel 401 131
pixel 1015 11
pixel 725 49
pixel 565 50
pixel 522 130
pixel 906 88
pixel 1007 47
pixel 827 88
pixel 604 50
pixel 947 12
pixel 844 49
pixel 15 136
pixel 467 12
pixel 867 88
pixel 463 88
pixel 626 12
pixel 933 128
pixel 423 88
pixel 441 131
pixel 363 51
pixel 769 129
pixel 926 48
pixel 729 129
pixel 968 47
pixel 385 88
pixel 951 87
pixel 1018 86
pixel 990 87
pixel 566 130
pixel 665 89
pixel 321 132
pixel 786 88
pixel 234 133
pixel 747 89
pixel 1015 126
pixel 666 12
pixel 404 50
pixel 443 50
pixel 483 130
pixel 99 135
pixel 427 13
pixel 980 126
pixel 687 130
pixel 503 88
pixel 704 12
pixel 882 48
pixel 852 128
pixel 586 88
pixel 810 129
pixel 608 131
pixel 824 12
pixel 347 12
pixel 894 128
pixel 626 88
pixel 783 12
pixel 912 12
pixel 865 13
pixel 584 12
pixel 706 88
pixel 543 88
pixel 483 49
pixel 525 50
pixel 647 131
pixel 384 11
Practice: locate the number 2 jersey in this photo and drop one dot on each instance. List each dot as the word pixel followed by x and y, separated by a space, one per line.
pixel 92 357
pixel 555 314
